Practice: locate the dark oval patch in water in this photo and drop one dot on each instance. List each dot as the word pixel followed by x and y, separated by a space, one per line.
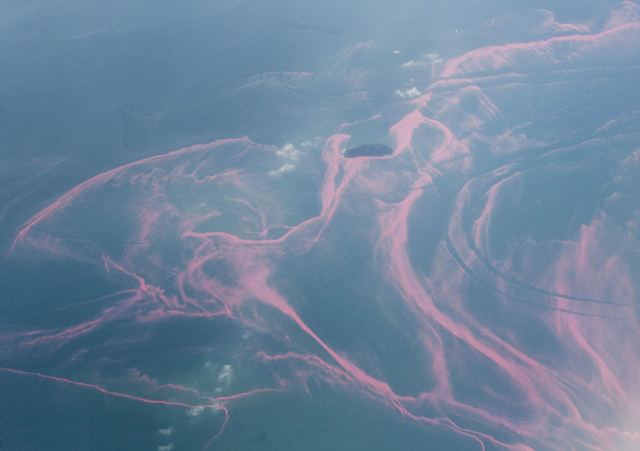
pixel 368 150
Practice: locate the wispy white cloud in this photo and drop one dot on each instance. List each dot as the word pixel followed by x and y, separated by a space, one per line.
pixel 312 142
pixel 226 376
pixel 282 169
pixel 289 152
pixel 291 155
pixel 426 61
pixel 409 93
pixel 414 63
pixel 167 431
pixel 195 411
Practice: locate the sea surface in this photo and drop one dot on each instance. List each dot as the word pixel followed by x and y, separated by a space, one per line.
pixel 193 258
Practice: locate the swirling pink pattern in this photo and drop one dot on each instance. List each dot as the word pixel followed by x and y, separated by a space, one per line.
pixel 479 285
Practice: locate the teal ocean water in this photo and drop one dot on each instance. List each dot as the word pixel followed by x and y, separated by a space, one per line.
pixel 311 225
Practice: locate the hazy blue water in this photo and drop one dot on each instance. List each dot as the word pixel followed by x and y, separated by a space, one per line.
pixel 476 289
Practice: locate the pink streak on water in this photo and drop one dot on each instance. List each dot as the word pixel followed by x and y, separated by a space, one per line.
pixel 582 267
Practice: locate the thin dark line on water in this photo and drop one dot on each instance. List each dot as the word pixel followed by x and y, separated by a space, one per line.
pixel 454 254
pixel 89 240
pixel 520 283
pixel 311 27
